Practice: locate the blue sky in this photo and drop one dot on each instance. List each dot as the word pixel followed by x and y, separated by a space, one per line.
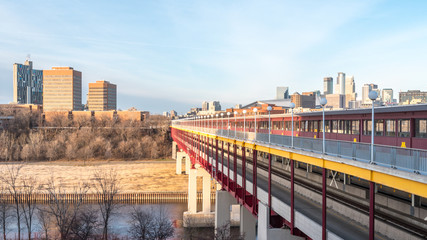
pixel 167 55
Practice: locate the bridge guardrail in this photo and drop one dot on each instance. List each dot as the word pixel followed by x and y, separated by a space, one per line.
pixel 405 159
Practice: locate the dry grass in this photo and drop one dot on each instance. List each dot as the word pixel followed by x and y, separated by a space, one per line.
pixel 135 176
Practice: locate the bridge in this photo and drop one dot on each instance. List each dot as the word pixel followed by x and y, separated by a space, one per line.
pixel 292 187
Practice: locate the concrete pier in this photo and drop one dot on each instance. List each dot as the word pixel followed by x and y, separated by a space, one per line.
pixel 247 224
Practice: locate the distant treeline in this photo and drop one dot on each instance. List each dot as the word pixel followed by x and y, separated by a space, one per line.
pixel 103 139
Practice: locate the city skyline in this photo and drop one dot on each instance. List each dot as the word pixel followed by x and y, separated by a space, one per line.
pixel 168 55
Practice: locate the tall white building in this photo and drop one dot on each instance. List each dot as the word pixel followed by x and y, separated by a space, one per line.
pixel 350 87
pixel 205 106
pixel 340 87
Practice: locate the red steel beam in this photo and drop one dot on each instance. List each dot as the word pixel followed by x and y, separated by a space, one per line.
pixel 216 158
pixel 254 181
pixel 222 162
pixel 292 198
pixel 228 165
pixel 371 210
pixel 269 181
pixel 323 203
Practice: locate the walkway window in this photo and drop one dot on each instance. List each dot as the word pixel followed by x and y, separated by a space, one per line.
pixel 288 126
pixel 379 127
pixel 304 127
pixel 404 128
pixel 355 127
pixel 390 128
pixel 367 126
pixel 327 126
pixel 278 125
pixel 334 126
pixel 314 126
pixel 341 125
pixel 421 128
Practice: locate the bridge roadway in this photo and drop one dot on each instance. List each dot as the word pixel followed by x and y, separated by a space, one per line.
pixel 337 224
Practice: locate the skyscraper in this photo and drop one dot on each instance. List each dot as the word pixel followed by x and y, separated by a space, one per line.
pixel 340 87
pixel 328 85
pixel 387 95
pixel 282 92
pixel 27 84
pixel 350 87
pixel 205 106
pixel 350 90
pixel 62 89
pixel 214 106
pixel 102 96
pixel 365 92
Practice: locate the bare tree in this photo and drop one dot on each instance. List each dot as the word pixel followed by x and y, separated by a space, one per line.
pixel 223 233
pixel 85 225
pixel 162 228
pixel 64 212
pixel 107 186
pixel 141 224
pixel 28 204
pixel 10 178
pixel 150 224
pixel 44 219
pixel 4 211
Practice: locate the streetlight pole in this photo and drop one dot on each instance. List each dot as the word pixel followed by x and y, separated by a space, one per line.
pixel 228 124
pixel 373 96
pixel 244 124
pixel 235 123
pixel 216 115
pixel 255 130
pixel 212 116
pixel 323 102
pixel 269 126
pixel 222 123
pixel 292 106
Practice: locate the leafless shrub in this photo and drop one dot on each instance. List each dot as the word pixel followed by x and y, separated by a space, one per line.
pixel 28 205
pixel 10 178
pixel 223 233
pixel 45 221
pixel 5 209
pixel 85 225
pixel 64 212
pixel 150 225
pixel 107 185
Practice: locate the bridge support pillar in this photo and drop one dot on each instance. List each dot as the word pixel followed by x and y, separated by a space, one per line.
pixel 206 191
pixel 187 164
pixel 264 230
pixel 174 149
pixel 178 157
pixel 247 224
pixel 263 221
pixel 222 211
pixel 192 191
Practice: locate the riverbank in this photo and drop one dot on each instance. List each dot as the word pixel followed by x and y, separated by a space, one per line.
pixel 139 176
